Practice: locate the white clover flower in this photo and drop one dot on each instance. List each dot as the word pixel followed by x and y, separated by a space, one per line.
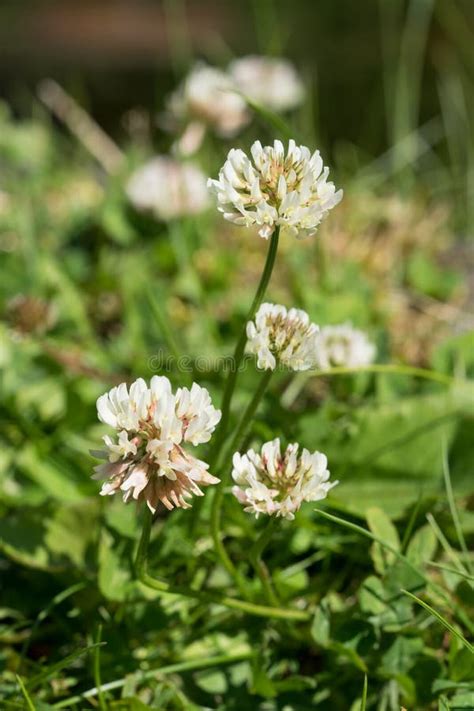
pixel 276 189
pixel 276 484
pixel 168 188
pixel 208 96
pixel 282 336
pixel 148 461
pixel 270 82
pixel 343 346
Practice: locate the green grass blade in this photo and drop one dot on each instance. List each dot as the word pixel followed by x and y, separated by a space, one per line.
pixel 441 619
pixel 29 703
pixel 443 704
pixel 189 665
pixel 437 588
pixel 449 550
pixel 51 670
pixel 274 121
pixel 364 695
pixel 453 507
pixel 97 675
pixel 453 571
pixel 373 537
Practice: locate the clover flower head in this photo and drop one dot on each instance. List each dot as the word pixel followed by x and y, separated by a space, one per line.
pixel 270 82
pixel 277 484
pixel 208 95
pixel 275 188
pixel 343 346
pixel 281 335
pixel 148 460
pixel 168 188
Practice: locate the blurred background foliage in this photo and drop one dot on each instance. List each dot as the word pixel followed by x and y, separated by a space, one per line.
pixel 381 73
pixel 90 291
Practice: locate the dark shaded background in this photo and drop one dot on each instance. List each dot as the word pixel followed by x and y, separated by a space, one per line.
pixel 115 54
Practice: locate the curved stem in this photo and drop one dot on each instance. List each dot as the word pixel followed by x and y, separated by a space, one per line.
pixel 233 446
pixel 258 564
pixel 188 665
pixel 296 385
pixel 141 572
pixel 240 347
pixel 390 368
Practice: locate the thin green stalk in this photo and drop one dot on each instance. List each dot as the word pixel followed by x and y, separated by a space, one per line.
pixel 259 565
pixel 141 572
pixel 453 571
pixel 364 695
pixel 97 677
pixel 190 665
pixel 233 446
pixel 368 534
pixel 453 508
pixel 392 368
pixel 240 347
pixel 441 619
pixel 295 386
pixel 29 704
pixel 267 25
pixel 411 523
pixel 247 417
pixel 448 549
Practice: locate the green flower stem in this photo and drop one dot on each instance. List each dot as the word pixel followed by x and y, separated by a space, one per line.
pixel 258 564
pixel 394 368
pixel 226 454
pixel 246 420
pixel 97 675
pixel 240 347
pixel 296 385
pixel 141 572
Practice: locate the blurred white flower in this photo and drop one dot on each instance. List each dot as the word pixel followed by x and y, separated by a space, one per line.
pixel 282 336
pixel 148 461
pixel 343 346
pixel 208 96
pixel 277 484
pixel 168 188
pixel 275 188
pixel 273 83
